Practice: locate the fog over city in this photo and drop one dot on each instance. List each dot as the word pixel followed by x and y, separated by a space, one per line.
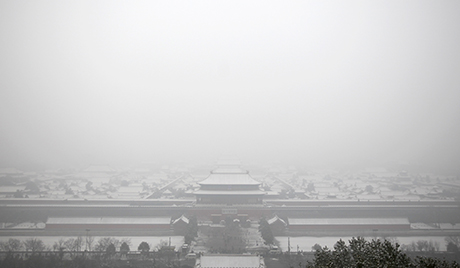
pixel 325 83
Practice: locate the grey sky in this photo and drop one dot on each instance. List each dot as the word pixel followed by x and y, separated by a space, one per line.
pixel 301 81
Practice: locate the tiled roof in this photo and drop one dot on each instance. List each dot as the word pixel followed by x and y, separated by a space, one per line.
pixel 347 221
pixel 108 220
pixel 227 261
pixel 212 192
pixel 181 218
pixel 229 179
pixel 274 219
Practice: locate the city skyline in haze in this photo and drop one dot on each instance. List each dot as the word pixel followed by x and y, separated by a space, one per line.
pixel 336 83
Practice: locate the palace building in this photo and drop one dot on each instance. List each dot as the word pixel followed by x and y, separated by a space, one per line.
pixel 229 184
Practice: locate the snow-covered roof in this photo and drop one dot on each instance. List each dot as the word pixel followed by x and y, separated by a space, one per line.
pixel 12 189
pixel 229 179
pixel 229 175
pixel 212 192
pixel 130 189
pixel 167 192
pixel 271 193
pixel 347 221
pixel 181 218
pixel 180 186
pixel 229 169
pixel 28 225
pixel 375 170
pixel 449 226
pixel 424 226
pixel 274 219
pixel 227 261
pixel 108 220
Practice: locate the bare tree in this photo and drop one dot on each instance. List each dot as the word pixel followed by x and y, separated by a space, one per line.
pixel 70 244
pixel 410 247
pixel 59 245
pixel 433 245
pixel 391 239
pixel 11 245
pixel 89 242
pixel 34 244
pixel 453 239
pixel 74 244
pixel 104 242
pixel 79 243
pixel 422 245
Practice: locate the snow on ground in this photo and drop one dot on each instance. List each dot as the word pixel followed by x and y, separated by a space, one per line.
pixel 250 235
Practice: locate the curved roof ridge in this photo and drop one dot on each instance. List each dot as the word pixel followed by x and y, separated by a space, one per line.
pixel 229 179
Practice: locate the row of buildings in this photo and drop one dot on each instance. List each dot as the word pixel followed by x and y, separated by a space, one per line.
pixel 178 226
pixel 229 191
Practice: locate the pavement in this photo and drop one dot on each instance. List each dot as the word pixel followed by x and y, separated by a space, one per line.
pixel 250 236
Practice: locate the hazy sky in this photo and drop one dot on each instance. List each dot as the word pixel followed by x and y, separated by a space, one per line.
pixel 301 81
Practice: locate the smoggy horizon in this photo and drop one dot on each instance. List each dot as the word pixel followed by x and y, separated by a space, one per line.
pixel 308 83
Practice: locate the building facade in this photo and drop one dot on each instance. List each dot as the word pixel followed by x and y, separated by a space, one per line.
pixel 229 185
